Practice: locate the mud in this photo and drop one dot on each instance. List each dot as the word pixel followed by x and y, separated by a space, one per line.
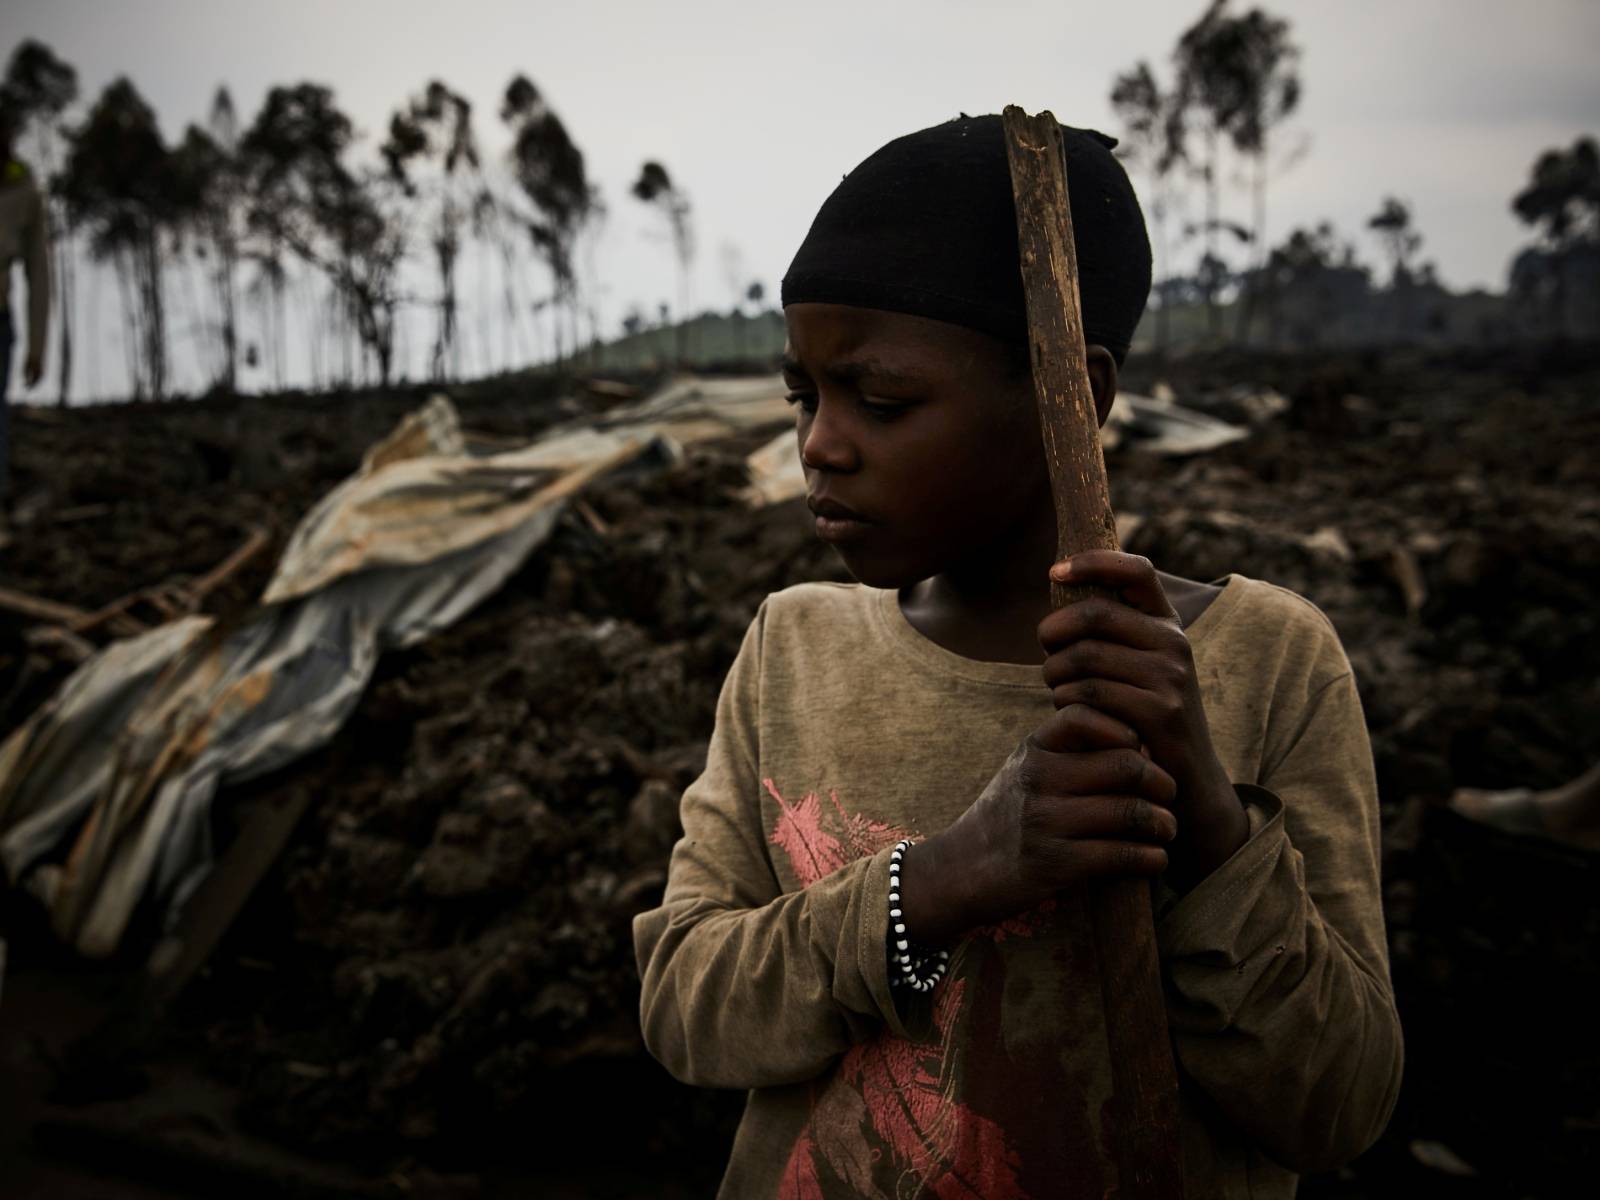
pixel 440 967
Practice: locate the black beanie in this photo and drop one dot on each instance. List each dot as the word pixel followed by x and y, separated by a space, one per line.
pixel 927 225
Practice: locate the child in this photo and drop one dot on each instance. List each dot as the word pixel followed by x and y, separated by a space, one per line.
pixel 1205 736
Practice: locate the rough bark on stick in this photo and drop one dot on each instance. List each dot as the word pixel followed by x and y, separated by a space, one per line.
pixel 1144 1077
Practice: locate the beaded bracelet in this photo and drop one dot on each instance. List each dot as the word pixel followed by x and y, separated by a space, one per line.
pixel 919 970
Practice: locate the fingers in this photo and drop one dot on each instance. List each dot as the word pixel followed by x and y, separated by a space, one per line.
pixel 1105 619
pixel 1131 575
pixel 1102 837
pixel 1121 772
pixel 1080 727
pixel 1094 659
pixel 1114 860
pixel 1156 712
pixel 1109 818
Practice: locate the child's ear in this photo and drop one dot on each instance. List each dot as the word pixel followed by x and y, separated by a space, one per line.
pixel 1102 378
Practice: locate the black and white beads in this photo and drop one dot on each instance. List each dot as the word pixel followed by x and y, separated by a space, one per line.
pixel 918 970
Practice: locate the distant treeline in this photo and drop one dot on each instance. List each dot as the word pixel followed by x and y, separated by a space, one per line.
pixel 228 226
pixel 243 237
pixel 1234 84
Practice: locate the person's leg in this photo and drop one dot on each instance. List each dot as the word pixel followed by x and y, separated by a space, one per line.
pixel 7 336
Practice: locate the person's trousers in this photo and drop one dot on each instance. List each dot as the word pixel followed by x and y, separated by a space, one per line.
pixel 8 337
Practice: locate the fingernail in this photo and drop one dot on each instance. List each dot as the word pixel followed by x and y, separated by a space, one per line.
pixel 1062 570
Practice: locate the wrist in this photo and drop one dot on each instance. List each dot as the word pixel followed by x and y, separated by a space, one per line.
pixel 1218 827
pixel 930 893
pixel 912 965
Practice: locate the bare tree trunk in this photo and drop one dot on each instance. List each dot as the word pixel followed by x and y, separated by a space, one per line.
pixel 387 341
pixel 446 248
pixel 272 307
pixel 92 337
pixel 64 298
pixel 444 344
pixel 347 370
pixel 132 338
pixel 199 327
pixel 1213 313
pixel 227 259
pixel 155 311
pixel 573 323
pixel 484 314
pixel 384 348
pixel 513 324
pixel 320 350
pixel 681 245
pixel 279 317
pixel 1248 296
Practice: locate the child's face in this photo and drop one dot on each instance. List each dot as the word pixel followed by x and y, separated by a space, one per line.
pixel 923 428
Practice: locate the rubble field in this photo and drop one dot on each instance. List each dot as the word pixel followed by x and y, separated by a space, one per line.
pixel 437 976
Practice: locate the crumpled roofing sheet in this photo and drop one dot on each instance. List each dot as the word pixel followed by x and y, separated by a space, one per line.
pixel 105 792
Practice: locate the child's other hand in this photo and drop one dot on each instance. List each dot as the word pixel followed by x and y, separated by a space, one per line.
pixel 1075 801
pixel 1130 660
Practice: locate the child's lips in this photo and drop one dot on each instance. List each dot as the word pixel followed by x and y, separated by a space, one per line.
pixel 840 529
pixel 835 522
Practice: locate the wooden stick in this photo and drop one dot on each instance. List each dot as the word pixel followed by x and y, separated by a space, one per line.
pixel 170 600
pixel 1144 1129
pixel 593 519
pixel 114 616
pixel 74 620
pixel 228 567
pixel 38 608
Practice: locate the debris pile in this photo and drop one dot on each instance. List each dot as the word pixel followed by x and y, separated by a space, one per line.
pixel 440 965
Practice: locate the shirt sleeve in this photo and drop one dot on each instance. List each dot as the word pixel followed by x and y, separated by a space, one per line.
pixel 36 264
pixel 1279 998
pixel 745 985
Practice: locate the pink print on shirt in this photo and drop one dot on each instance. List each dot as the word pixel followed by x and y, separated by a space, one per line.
pixel 820 839
pixel 885 1123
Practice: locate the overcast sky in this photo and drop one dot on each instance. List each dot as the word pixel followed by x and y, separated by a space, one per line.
pixel 758 109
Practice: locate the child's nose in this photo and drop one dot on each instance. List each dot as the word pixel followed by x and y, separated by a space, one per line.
pixel 825 444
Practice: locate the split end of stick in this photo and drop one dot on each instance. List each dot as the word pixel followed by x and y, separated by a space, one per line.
pixel 1032 131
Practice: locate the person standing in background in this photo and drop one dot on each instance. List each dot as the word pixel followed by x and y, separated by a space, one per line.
pixel 23 235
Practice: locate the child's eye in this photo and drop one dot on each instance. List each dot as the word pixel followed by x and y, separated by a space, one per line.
pixel 806 400
pixel 884 412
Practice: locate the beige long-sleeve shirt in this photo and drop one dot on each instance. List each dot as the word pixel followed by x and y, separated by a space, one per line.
pixel 23 235
pixel 841 729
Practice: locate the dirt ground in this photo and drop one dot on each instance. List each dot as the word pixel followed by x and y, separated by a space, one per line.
pixel 434 988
